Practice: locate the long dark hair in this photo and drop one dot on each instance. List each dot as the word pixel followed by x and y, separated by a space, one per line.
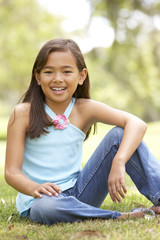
pixel 39 122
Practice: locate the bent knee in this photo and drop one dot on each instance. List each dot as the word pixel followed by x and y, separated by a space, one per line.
pixel 44 209
pixel 116 133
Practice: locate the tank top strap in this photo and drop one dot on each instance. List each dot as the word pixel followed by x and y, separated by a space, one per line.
pixel 67 112
pixel 69 108
pixel 49 111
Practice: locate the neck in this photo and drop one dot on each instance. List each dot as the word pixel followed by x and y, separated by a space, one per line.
pixel 58 107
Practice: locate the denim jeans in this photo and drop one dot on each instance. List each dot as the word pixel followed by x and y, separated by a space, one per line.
pixel 84 199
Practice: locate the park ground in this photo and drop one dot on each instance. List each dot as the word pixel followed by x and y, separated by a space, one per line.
pixel 14 228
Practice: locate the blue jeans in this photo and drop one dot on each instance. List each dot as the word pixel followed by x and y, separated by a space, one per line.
pixel 84 199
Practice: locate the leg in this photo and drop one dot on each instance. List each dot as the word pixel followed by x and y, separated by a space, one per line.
pixel 50 210
pixel 92 187
pixel 81 202
pixel 143 168
pixel 92 184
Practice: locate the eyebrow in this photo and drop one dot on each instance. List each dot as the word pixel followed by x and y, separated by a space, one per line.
pixel 64 66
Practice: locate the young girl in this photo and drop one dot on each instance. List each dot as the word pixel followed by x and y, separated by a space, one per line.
pixel 44 145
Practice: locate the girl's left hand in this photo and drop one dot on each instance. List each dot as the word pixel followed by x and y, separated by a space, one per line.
pixel 116 182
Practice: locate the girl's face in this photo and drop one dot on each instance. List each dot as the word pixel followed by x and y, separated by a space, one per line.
pixel 59 78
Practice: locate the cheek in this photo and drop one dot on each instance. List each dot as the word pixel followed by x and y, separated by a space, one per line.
pixel 45 81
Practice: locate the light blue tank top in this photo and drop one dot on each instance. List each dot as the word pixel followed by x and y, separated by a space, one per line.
pixel 55 157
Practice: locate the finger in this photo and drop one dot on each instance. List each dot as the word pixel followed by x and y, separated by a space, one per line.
pixel 119 190
pixel 49 191
pixel 124 188
pixel 112 197
pixel 111 194
pixel 121 193
pixel 115 193
pixel 52 191
pixel 55 187
pixel 37 195
pixel 117 197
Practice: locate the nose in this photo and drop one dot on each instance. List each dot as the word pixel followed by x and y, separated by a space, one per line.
pixel 57 77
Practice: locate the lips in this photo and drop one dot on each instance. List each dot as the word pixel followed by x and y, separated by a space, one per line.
pixel 58 90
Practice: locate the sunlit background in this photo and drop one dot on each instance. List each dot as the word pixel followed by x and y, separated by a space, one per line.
pixel 120 41
pixel 96 31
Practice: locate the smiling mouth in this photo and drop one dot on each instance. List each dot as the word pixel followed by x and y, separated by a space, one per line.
pixel 58 89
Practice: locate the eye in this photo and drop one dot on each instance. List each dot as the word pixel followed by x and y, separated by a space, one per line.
pixel 48 72
pixel 67 71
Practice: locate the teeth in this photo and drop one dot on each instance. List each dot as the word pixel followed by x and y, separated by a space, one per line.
pixel 58 89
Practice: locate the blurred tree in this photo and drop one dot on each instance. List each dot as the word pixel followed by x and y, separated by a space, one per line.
pixel 24 27
pixel 131 66
pixel 125 76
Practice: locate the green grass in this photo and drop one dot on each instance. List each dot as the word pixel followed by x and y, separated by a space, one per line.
pixel 17 229
pixel 24 229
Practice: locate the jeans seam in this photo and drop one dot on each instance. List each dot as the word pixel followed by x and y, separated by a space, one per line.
pixel 137 168
pixel 155 198
pixel 94 171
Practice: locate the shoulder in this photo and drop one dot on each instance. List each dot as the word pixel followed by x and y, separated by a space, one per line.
pixel 20 113
pixel 21 110
pixel 94 111
pixel 88 112
pixel 85 103
pixel 89 105
pixel 89 109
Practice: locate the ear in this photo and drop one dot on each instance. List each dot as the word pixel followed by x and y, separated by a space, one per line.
pixel 83 75
pixel 37 77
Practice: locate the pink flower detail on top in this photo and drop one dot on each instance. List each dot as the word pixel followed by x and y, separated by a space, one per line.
pixel 60 122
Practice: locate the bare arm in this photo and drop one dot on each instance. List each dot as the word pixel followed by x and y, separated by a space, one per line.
pixel 134 130
pixel 16 134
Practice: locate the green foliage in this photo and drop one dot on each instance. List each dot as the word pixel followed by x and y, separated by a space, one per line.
pixel 25 26
pixel 127 74
pixel 3 128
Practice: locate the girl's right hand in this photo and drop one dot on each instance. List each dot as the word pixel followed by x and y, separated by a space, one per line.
pixel 48 189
